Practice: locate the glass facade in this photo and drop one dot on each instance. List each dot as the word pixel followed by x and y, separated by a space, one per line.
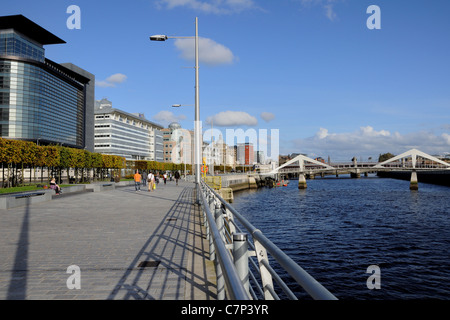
pixel 13 44
pixel 36 104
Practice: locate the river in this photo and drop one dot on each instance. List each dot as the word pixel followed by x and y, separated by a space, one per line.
pixel 338 227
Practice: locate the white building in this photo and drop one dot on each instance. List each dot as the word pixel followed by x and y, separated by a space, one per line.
pixel 127 135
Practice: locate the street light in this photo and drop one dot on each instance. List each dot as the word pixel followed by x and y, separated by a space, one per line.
pixel 158 37
pixel 178 106
pixel 197 133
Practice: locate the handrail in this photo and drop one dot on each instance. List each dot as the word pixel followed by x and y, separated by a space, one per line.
pixel 309 284
pixel 232 281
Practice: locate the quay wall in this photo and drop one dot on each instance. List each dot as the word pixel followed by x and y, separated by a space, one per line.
pixel 441 177
pixel 238 182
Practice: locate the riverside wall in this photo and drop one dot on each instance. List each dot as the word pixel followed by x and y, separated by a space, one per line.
pixel 237 182
pixel 441 177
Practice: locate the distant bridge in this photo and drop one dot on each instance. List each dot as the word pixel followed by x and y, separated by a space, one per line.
pixel 412 160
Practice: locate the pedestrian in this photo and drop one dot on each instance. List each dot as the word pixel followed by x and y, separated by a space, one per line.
pixel 137 181
pixel 157 178
pixel 165 177
pixel 177 176
pixel 151 181
pixel 144 178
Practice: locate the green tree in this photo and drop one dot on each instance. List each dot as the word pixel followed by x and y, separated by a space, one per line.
pixel 385 156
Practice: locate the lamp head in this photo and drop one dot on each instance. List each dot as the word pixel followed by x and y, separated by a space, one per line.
pixel 158 37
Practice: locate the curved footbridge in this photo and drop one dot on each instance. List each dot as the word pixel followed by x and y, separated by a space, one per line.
pixel 410 161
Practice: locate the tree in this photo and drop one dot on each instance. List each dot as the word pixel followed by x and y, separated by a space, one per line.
pixel 385 156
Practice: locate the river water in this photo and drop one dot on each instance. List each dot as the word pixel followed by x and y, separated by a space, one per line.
pixel 338 227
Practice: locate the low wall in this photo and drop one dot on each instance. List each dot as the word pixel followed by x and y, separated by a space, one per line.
pixel 25 198
pixel 239 182
pixel 98 187
pixel 441 177
pixel 74 188
pixel 20 199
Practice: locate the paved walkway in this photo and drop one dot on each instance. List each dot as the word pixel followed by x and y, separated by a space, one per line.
pixel 127 245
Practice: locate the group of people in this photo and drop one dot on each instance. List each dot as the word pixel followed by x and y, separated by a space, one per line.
pixel 151 180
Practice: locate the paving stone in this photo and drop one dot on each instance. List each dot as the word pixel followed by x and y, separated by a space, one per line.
pixel 106 234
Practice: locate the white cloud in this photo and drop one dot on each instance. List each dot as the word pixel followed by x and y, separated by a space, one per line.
pixel 368 142
pixel 166 117
pixel 267 116
pixel 112 80
pixel 215 7
pixel 327 5
pixel 329 12
pixel 232 118
pixel 210 52
pixel 446 138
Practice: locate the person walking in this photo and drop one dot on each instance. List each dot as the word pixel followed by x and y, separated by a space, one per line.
pixel 177 176
pixel 151 181
pixel 165 177
pixel 144 178
pixel 137 181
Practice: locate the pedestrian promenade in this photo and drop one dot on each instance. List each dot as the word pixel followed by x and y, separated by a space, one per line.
pixel 128 245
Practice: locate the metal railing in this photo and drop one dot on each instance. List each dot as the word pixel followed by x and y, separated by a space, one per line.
pixel 235 244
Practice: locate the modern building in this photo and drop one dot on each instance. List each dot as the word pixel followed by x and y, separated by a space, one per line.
pixel 178 144
pixel 124 134
pixel 213 153
pixel 41 100
pixel 245 154
pixel 260 157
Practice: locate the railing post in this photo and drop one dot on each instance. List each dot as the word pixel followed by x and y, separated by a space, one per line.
pixel 220 279
pixel 230 219
pixel 266 277
pixel 240 256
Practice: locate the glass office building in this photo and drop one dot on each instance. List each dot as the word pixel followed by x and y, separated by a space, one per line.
pixel 40 100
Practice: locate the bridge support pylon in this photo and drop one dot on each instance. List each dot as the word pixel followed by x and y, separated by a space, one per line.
pixel 356 174
pixel 414 183
pixel 301 181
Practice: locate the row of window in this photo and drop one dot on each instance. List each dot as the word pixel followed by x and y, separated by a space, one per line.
pixel 114 148
pixel 122 131
pixel 14 45
pixel 40 97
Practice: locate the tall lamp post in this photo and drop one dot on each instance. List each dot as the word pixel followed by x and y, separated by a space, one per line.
pixel 197 133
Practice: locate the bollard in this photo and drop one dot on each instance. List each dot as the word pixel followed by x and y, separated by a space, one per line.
pixel 240 256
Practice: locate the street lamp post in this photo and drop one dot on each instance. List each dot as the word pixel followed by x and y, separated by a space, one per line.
pixel 197 133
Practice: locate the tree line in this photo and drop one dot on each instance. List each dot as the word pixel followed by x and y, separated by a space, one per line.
pixel 59 161
pixel 154 166
pixel 17 155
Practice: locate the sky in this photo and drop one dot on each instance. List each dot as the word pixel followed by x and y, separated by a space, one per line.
pixel 325 78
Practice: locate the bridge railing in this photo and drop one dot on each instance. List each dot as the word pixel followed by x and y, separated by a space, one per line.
pixel 240 249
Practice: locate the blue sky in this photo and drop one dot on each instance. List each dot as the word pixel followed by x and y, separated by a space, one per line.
pixel 308 68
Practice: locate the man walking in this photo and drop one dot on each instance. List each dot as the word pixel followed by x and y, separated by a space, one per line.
pixel 137 181
pixel 177 176
pixel 144 178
